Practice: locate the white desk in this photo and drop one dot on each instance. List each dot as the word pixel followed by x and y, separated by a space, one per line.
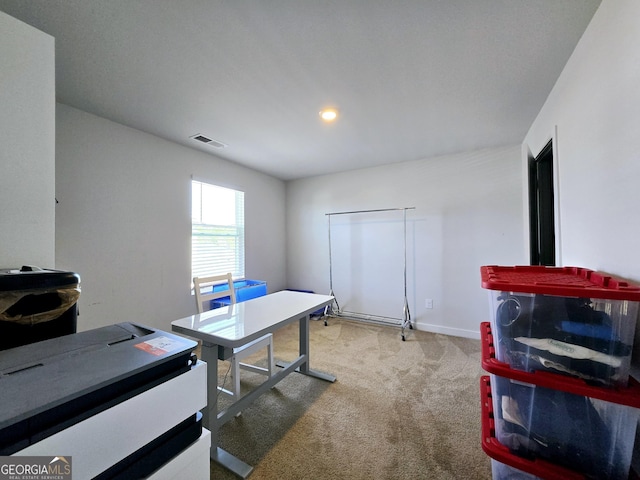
pixel 223 329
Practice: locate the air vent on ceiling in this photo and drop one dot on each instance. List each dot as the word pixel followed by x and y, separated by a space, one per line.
pixel 214 143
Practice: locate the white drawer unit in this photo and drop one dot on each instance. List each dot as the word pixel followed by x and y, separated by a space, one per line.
pixel 150 427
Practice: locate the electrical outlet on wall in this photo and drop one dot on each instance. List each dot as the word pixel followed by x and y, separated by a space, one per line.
pixel 428 303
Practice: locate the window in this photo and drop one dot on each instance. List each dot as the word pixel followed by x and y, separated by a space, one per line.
pixel 217 230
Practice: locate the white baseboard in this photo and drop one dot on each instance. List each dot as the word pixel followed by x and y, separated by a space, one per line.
pixel 454 332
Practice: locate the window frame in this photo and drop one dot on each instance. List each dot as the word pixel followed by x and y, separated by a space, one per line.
pixel 227 229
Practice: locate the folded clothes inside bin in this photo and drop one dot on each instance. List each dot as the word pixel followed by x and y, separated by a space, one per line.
pixel 507 465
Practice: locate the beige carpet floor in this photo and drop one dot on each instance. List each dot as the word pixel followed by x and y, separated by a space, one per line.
pixel 398 410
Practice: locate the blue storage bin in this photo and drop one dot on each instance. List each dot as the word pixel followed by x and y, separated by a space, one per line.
pixel 245 290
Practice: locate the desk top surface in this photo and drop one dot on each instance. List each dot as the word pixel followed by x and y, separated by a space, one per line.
pixel 237 324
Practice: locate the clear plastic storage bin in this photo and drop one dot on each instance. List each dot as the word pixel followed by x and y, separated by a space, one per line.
pixel 591 436
pixel 523 456
pixel 502 471
pixel 566 320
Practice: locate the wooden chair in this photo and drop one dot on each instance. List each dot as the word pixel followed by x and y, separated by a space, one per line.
pixel 239 353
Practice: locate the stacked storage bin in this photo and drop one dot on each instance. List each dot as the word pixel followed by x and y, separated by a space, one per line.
pixel 245 290
pixel 559 402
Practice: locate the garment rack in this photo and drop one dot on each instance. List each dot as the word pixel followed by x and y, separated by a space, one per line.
pixel 333 309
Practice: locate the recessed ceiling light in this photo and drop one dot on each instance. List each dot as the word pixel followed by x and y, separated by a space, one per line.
pixel 329 114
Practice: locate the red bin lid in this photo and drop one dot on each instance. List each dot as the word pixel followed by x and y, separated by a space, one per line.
pixel 560 281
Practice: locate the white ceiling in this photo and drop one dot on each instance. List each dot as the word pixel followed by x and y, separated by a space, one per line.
pixel 413 79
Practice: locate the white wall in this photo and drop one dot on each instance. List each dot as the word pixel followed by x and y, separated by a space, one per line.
pixel 124 219
pixel 27 145
pixel 595 106
pixel 467 214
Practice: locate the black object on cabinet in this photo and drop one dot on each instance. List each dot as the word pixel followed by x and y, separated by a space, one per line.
pixel 37 304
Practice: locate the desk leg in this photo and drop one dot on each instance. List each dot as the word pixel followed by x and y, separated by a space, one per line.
pixel 210 356
pixel 304 350
pixel 210 415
